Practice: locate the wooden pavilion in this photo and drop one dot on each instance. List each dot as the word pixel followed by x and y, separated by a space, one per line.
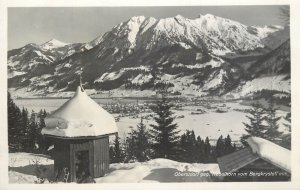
pixel 80 131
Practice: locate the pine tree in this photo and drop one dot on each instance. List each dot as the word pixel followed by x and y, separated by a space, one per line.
pixel 143 146
pixel 111 154
pixel 192 146
pixel 183 146
pixel 40 140
pixel 199 150
pixel 224 146
pixel 138 147
pixel 256 126
pixel 228 147
pixel 24 130
pixel 220 147
pixel 13 131
pixel 164 133
pixel 207 151
pixel 20 135
pixel 32 133
pixel 272 132
pixel 188 147
pixel 117 151
pixel 130 147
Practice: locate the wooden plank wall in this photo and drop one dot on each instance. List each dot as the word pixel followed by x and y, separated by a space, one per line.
pixel 101 156
pixel 98 155
pixel 61 157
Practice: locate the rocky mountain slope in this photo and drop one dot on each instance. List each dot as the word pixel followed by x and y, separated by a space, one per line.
pixel 208 55
pixel 271 72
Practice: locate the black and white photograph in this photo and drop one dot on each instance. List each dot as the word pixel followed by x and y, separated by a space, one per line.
pixel 148 94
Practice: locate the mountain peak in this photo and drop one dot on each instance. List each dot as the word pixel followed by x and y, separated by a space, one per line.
pixel 53 40
pixel 208 15
pixel 53 43
pixel 213 18
pixel 138 19
pixel 179 16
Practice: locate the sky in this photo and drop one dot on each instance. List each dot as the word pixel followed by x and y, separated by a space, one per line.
pixel 83 24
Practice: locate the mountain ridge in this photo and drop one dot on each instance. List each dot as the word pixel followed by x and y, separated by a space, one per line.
pixel 189 56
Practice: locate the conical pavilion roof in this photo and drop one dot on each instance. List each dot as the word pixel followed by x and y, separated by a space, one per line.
pixel 79 117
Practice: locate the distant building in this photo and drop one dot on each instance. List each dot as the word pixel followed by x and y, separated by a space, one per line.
pixel 261 161
pixel 80 131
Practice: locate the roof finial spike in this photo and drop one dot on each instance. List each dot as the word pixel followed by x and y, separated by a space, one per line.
pixel 80 80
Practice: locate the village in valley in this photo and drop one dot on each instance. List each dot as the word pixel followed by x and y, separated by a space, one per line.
pixel 153 100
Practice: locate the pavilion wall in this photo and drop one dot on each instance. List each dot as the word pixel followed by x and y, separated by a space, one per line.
pixel 64 156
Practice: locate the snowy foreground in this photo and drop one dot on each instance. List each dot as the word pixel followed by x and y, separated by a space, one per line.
pixel 22 169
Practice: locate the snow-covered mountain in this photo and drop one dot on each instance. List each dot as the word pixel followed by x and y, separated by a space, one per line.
pixel 219 35
pixel 37 59
pixel 208 55
pixel 276 38
pixel 270 72
pixel 53 44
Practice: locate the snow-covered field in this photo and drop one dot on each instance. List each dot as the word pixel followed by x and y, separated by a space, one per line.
pixel 210 124
pixel 22 170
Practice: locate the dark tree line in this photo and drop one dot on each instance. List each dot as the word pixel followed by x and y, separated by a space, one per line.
pixel 197 150
pixel 191 149
pixel 24 129
pixel 224 146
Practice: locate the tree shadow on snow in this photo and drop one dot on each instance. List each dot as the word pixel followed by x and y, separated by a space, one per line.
pixel 173 175
pixel 41 155
pixel 43 171
pixel 112 169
